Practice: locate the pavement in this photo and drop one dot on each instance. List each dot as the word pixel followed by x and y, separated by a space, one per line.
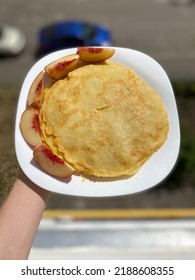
pixel 147 234
pixel 162 29
pixel 128 239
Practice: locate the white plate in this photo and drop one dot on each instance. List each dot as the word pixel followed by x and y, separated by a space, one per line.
pixel 152 172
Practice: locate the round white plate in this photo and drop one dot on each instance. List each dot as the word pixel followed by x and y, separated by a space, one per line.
pixel 152 172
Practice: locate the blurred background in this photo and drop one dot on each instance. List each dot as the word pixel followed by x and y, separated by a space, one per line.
pixel 155 224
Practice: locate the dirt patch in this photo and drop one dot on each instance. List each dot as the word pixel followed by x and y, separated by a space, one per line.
pixel 8 163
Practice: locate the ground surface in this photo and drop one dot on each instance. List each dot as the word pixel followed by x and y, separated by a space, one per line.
pixel 160 28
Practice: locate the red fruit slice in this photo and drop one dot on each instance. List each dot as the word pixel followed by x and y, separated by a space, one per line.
pixel 30 127
pixel 94 54
pixel 51 163
pixel 35 94
pixel 59 68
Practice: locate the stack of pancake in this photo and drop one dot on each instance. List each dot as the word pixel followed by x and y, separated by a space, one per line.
pixel 103 120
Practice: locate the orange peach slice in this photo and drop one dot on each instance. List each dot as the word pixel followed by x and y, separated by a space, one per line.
pixel 35 94
pixel 30 126
pixel 51 163
pixel 94 54
pixel 59 68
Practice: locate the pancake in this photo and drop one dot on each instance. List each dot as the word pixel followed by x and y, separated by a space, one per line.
pixel 103 120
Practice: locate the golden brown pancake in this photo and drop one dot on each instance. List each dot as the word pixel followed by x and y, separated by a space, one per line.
pixel 103 120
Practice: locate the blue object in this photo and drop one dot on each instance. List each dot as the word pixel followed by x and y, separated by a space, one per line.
pixel 70 34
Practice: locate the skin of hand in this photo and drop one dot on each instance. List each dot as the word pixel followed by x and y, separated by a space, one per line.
pixel 20 216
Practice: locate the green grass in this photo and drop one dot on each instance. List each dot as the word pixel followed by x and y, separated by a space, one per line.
pixel 8 172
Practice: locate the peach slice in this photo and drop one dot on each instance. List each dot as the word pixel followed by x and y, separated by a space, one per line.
pixel 30 127
pixel 51 163
pixel 35 94
pixel 59 68
pixel 94 54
